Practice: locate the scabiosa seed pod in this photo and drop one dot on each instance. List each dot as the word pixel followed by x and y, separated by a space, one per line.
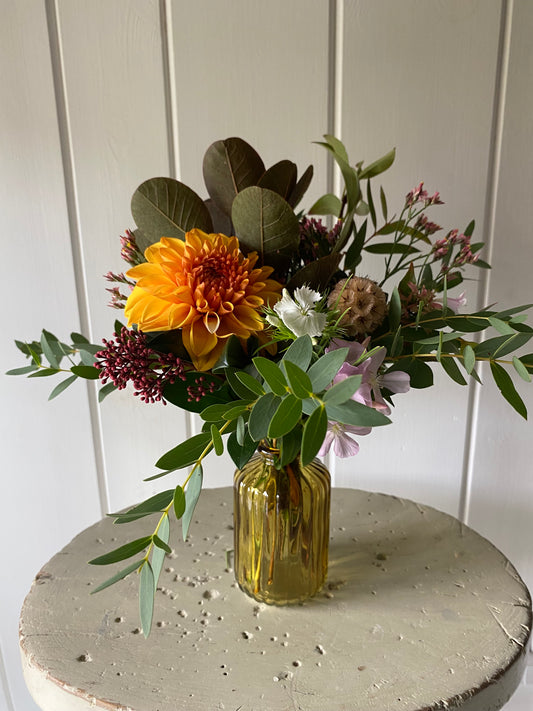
pixel 361 302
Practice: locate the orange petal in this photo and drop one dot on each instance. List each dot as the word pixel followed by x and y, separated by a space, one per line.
pixel 197 339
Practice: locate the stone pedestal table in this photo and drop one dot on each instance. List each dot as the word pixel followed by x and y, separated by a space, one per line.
pixel 418 613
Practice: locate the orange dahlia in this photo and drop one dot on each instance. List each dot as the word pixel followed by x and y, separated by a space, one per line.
pixel 204 286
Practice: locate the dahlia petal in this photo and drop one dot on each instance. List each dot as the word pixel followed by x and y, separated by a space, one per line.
pixel 197 339
pixel 211 322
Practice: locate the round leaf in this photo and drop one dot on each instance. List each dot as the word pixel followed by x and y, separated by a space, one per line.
pixel 163 207
pixel 264 222
pixel 230 166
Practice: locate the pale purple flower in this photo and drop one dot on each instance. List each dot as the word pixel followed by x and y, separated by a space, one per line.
pixel 338 435
pixel 454 303
pixel 369 392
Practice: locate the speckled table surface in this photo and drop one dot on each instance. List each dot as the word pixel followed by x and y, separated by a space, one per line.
pixel 418 612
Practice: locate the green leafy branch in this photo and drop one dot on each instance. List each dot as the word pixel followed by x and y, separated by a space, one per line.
pixel 48 354
pixel 411 346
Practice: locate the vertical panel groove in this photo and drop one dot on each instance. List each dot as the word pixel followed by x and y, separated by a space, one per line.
pixel 171 107
pixel 4 681
pixel 333 120
pixel 498 117
pixel 57 63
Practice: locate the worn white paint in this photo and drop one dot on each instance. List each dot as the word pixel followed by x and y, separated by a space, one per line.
pixel 142 87
pixel 418 612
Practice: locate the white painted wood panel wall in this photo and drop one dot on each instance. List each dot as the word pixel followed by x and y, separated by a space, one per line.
pixel 96 96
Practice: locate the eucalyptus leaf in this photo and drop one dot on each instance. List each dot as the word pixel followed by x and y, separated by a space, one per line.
pixel 146 598
pixel 355 413
pixel 452 369
pixel 179 502
pixel 250 382
pixel 105 390
pixel 229 166
pixel 290 445
pixel 507 388
pixel 314 431
pixel 45 372
pixel 160 543
pixel 22 371
pixel 469 358
pixel 46 344
pixel 379 166
pixel 118 576
pixel 163 207
pixel 521 369
pixel 126 551
pixel 264 222
pixel 391 248
pixel 161 547
pixel 88 372
pixel 299 381
pixel 184 454
pixel 192 494
pixel 216 438
pixel 395 309
pixel 271 374
pixel 299 352
pixel 261 415
pixel 286 417
pixel 155 504
pixel 326 368
pixel 343 390
pixel 241 453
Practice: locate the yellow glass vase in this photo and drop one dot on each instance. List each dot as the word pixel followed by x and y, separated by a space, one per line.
pixel 281 520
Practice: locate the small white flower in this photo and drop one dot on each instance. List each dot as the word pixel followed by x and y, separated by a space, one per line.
pixel 299 314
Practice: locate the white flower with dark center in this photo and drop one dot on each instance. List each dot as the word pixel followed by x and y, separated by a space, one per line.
pixel 299 314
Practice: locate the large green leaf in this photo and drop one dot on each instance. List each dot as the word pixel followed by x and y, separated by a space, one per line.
pixel 281 178
pixel 317 274
pixel 301 187
pixel 230 165
pixel 264 222
pixel 163 207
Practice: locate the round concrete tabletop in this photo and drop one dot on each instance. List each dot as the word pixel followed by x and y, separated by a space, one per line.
pixel 418 612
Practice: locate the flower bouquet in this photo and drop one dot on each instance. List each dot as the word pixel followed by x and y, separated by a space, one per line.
pixel 260 319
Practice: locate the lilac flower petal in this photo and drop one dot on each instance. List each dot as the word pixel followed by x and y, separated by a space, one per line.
pixel 326 444
pixel 344 446
pixel 396 381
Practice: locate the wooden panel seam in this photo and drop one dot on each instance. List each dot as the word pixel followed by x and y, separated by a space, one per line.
pixel 61 99
pixel 493 172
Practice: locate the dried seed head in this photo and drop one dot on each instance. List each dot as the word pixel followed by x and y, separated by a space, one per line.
pixel 362 302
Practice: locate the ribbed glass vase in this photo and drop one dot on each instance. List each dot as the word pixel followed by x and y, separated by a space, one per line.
pixel 281 519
